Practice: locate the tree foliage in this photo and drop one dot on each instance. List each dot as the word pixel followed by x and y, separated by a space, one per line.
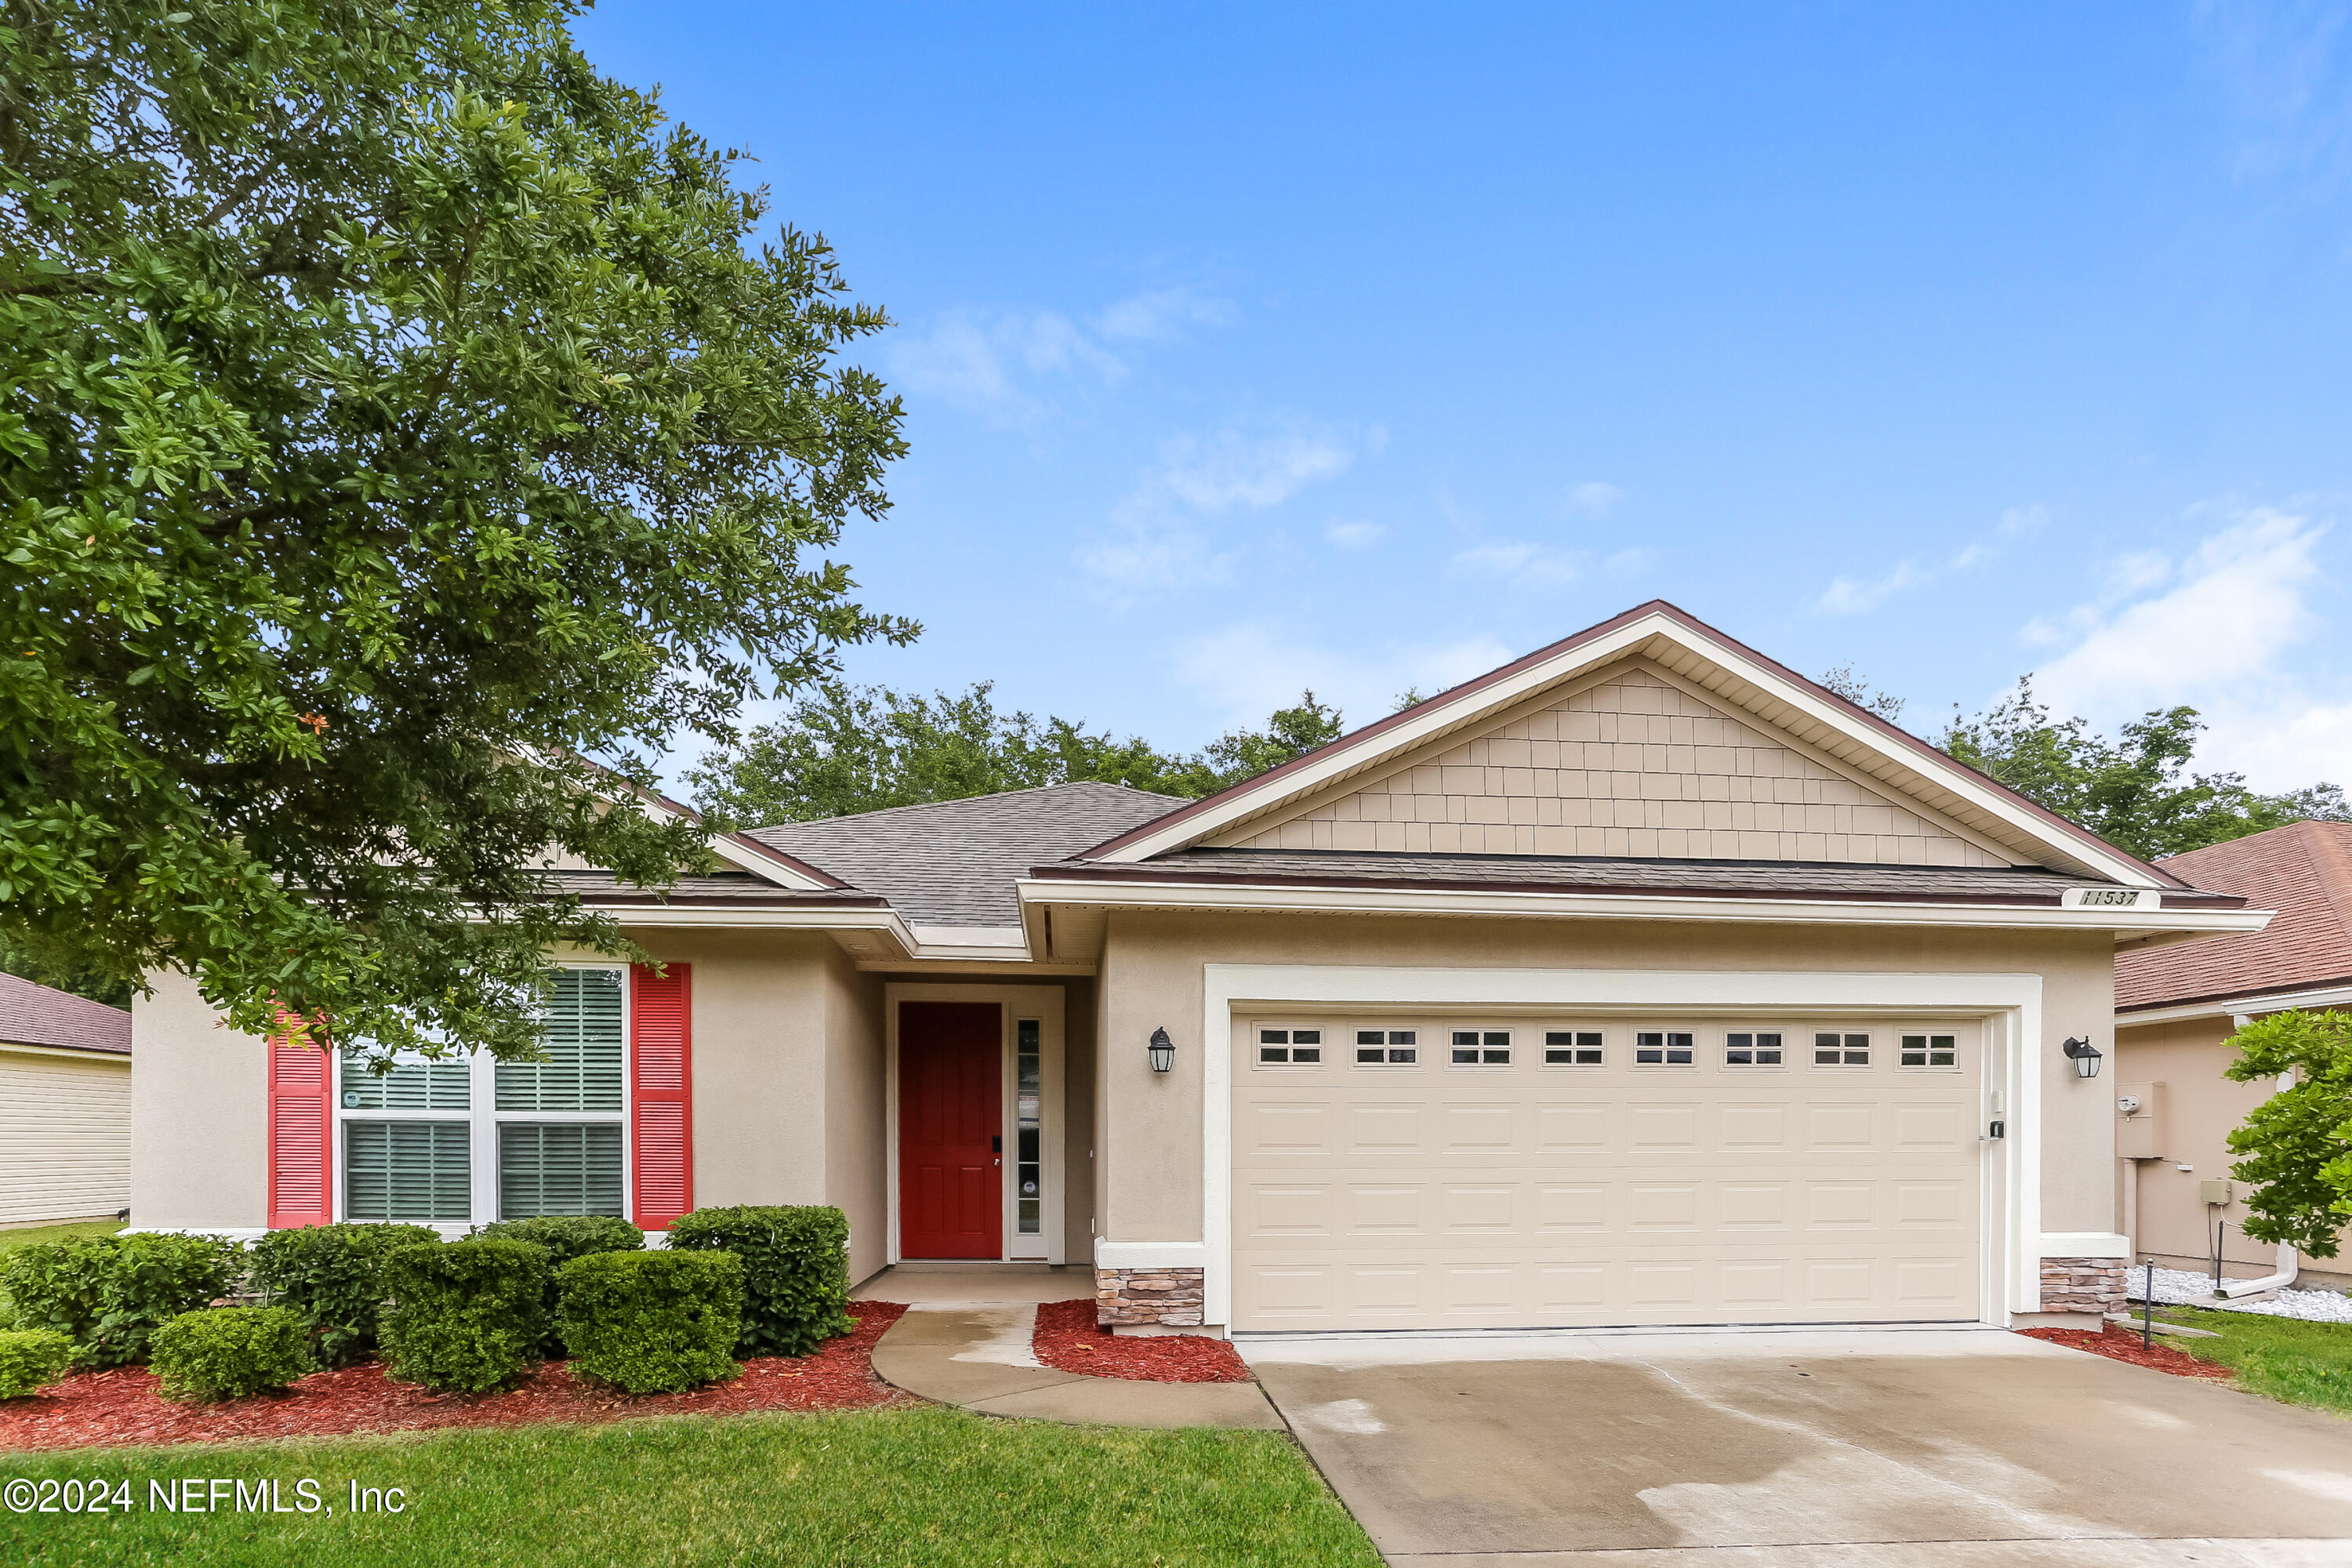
pixel 841 748
pixel 2134 791
pixel 392 415
pixel 2297 1146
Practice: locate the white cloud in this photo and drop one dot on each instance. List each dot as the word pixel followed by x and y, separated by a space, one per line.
pixel 1519 561
pixel 1592 499
pixel 1355 535
pixel 1852 596
pixel 1248 669
pixel 2232 629
pixel 987 363
pixel 1860 596
pixel 1159 315
pixel 2236 606
pixel 1157 534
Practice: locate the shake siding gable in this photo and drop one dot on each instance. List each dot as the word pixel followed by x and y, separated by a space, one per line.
pixel 301 1189
pixel 661 1094
pixel 1632 765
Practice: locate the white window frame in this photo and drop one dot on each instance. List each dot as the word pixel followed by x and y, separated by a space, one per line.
pixel 1572 1065
pixel 1510 1047
pixel 1666 1045
pixel 1386 1063
pixel 484 1119
pixel 1777 1031
pixel 1258 1045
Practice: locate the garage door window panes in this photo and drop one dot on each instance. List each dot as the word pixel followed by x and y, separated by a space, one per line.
pixel 1669 1047
pixel 1482 1047
pixel 1289 1047
pixel 1572 1048
pixel 1751 1051
pixel 1388 1048
pixel 1841 1051
pixel 1930 1051
pixel 471 1140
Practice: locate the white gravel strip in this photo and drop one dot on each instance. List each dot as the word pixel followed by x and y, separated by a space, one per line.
pixel 2174 1286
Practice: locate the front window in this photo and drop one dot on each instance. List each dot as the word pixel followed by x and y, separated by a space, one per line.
pixel 468 1141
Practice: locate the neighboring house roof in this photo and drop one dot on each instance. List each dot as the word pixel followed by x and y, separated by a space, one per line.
pixel 953 862
pixel 33 1014
pixel 1726 878
pixel 1680 643
pixel 2305 873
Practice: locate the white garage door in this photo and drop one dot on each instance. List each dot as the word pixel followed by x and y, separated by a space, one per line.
pixel 1418 1172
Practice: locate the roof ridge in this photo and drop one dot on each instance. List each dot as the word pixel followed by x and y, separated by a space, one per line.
pixel 964 800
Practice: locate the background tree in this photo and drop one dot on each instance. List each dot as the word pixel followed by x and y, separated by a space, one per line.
pixel 2134 791
pixel 842 749
pixel 391 416
pixel 2297 1144
pixel 1861 694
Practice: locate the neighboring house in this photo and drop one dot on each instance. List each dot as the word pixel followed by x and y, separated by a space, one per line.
pixel 65 1105
pixel 2177 1007
pixel 1638 980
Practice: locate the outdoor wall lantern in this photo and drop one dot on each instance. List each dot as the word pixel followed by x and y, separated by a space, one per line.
pixel 2085 1056
pixel 1163 1051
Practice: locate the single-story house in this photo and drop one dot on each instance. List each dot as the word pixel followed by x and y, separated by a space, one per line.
pixel 65 1105
pixel 2176 1008
pixel 1640 980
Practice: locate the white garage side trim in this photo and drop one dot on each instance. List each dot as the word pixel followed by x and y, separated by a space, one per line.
pixel 1150 1254
pixel 2084 1243
pixel 2011 1005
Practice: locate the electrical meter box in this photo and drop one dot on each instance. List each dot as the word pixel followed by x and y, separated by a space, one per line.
pixel 2140 1120
pixel 2218 1192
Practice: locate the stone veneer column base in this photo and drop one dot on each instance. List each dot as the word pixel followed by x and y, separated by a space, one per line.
pixel 1172 1297
pixel 2091 1285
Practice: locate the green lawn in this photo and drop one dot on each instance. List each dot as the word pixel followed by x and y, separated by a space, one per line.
pixel 927 1486
pixel 27 1237
pixel 2289 1360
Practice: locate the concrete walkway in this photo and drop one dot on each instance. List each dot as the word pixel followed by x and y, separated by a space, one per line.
pixel 983 1284
pixel 979 1355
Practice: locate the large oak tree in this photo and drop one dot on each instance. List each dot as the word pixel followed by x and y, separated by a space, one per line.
pixel 395 413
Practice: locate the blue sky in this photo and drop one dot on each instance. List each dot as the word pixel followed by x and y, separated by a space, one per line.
pixel 1253 348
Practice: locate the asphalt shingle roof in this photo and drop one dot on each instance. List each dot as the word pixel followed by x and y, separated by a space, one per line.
pixel 953 862
pixel 2304 871
pixel 1762 879
pixel 34 1014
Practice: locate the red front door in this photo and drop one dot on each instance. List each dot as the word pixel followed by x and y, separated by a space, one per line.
pixel 950 1130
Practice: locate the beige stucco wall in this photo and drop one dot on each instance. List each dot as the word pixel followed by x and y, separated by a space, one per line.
pixel 199 1113
pixel 855 1145
pixel 1635 762
pixel 1080 1067
pixel 2201 1107
pixel 65 1135
pixel 1151 977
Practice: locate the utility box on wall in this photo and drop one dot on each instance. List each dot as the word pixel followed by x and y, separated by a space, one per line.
pixel 2141 1125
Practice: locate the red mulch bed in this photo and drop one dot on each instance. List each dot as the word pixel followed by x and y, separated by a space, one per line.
pixel 1068 1340
pixel 2119 1343
pixel 121 1406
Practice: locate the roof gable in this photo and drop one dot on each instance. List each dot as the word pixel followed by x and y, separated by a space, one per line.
pixel 1629 762
pixel 1892 769
pixel 2304 871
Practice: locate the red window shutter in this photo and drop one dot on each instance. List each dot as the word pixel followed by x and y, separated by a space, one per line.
pixel 661 1094
pixel 301 1184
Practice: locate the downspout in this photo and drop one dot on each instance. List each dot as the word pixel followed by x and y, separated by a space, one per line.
pixel 2289 1264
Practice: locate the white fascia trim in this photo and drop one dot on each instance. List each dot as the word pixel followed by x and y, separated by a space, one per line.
pixel 972 936
pixel 761 866
pixel 1694 907
pixel 2013 1242
pixel 958 944
pixel 1624 640
pixel 2084 1243
pixel 2230 1007
pixel 1150 1254
pixel 68 1053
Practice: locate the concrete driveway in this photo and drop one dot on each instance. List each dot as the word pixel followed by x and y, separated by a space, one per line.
pixel 1815 1449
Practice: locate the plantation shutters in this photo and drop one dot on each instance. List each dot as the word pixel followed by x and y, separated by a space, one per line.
pixel 661 1109
pixel 559 1167
pixel 583 1071
pixel 301 1188
pixel 417 1173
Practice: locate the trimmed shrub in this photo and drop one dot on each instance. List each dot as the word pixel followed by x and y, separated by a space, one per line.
pixel 227 1353
pixel 567 1237
pixel 32 1358
pixel 463 1318
pixel 109 1294
pixel 651 1322
pixel 332 1278
pixel 796 1271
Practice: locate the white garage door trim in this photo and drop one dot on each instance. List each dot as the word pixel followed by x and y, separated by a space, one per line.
pixel 2011 1006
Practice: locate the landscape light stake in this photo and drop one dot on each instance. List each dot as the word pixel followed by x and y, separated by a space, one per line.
pixel 2147 1312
